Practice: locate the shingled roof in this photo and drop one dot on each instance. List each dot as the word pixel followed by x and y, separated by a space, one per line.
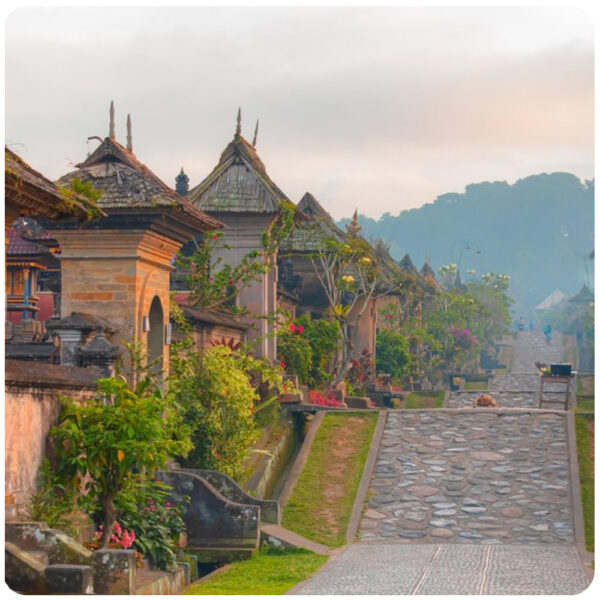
pixel 239 183
pixel 128 185
pixel 311 234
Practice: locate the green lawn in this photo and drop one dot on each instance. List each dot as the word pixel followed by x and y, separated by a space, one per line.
pixel 584 425
pixel 269 572
pixel 321 504
pixel 424 400
pixel 585 404
pixel 476 385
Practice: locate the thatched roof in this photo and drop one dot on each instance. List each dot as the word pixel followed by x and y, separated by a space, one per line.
pixel 583 296
pixel 128 185
pixel 317 227
pixel 238 184
pixel 406 264
pixel 31 192
pixel 427 271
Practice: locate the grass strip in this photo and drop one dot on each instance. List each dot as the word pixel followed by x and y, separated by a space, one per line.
pixel 585 404
pixel 320 506
pixel 269 572
pixel 424 400
pixel 476 385
pixel 584 427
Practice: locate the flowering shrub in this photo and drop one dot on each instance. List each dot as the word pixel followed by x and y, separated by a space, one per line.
pixel 317 398
pixel 155 524
pixel 295 352
pixel 121 538
pixel 463 338
pixel 362 371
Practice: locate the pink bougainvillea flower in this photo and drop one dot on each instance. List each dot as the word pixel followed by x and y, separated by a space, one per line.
pixel 117 528
pixel 211 278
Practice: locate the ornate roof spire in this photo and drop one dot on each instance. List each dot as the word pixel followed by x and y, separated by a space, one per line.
pixel 354 228
pixel 111 124
pixel 238 127
pixel 129 140
pixel 182 183
pixel 255 134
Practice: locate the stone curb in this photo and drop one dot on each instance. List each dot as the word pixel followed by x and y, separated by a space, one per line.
pixel 585 556
pixel 300 461
pixel 363 487
pixel 210 575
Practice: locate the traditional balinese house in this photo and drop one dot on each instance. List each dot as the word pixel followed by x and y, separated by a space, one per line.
pixel 309 238
pixel 117 267
pixel 240 193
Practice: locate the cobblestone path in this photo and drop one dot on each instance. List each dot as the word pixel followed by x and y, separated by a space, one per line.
pixel 469 501
pixel 471 476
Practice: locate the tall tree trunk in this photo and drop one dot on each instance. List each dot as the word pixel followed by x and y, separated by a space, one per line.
pixel 110 514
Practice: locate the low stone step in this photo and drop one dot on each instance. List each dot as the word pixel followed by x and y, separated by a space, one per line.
pixel 277 536
pixel 70 579
pixel 40 556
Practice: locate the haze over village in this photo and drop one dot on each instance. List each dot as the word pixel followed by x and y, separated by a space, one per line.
pixel 299 301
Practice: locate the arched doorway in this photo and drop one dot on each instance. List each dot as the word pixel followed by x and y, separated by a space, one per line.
pixel 156 336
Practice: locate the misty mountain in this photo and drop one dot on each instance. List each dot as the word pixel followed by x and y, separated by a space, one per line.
pixel 538 230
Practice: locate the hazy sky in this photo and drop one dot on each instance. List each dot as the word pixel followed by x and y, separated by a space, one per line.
pixel 380 109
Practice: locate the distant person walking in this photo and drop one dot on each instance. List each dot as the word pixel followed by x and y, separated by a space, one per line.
pixel 548 334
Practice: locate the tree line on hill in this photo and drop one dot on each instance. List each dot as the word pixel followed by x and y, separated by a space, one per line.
pixel 539 230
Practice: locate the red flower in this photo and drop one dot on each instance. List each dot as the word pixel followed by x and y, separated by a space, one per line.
pixel 277 438
pixel 282 364
pixel 215 237
pixel 292 327
pixel 231 282
pixel 300 329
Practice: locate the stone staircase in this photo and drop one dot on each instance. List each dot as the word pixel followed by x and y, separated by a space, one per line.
pixel 41 560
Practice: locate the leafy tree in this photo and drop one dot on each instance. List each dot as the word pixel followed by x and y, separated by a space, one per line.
pixel 323 335
pixel 105 441
pixel 392 353
pixel 217 392
pixel 351 276
pixel 537 229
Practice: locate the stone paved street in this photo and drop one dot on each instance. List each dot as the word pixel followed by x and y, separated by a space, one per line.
pixel 418 569
pixel 469 501
pixel 471 476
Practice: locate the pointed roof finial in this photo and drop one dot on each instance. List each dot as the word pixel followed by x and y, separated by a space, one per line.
pixel 111 125
pixel 255 134
pixel 354 228
pixel 238 127
pixel 182 183
pixel 129 140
